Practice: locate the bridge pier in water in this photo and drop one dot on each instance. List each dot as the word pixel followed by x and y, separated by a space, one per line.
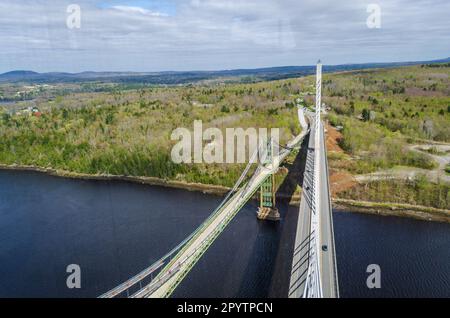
pixel 267 209
pixel 267 203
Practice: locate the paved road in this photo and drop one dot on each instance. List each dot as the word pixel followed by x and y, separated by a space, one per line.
pixel 300 257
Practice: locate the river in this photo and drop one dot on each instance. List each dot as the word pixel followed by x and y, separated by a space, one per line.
pixel 112 230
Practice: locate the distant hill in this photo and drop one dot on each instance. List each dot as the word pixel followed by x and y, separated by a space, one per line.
pixel 172 78
pixel 17 75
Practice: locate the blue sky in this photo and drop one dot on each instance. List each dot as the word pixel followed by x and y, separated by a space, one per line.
pixel 165 7
pixel 158 35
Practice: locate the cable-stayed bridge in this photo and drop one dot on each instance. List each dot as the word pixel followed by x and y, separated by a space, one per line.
pixel 314 266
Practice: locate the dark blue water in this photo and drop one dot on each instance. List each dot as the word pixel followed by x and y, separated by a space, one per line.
pixel 115 229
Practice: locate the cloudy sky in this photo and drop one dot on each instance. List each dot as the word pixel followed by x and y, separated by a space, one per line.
pixel 157 35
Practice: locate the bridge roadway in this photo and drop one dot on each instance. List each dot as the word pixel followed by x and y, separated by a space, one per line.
pixel 300 261
pixel 174 272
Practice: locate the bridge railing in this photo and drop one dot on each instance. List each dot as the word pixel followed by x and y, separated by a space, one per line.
pixel 162 270
pixel 167 260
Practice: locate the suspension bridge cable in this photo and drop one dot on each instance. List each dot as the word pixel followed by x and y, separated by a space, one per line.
pixel 130 282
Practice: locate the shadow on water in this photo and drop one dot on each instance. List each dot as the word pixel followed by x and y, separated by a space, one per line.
pixel 264 247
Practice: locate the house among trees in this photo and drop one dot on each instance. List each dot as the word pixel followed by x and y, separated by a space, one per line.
pixel 30 111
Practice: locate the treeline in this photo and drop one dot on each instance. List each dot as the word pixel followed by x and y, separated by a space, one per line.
pixel 416 192
pixel 436 65
pixel 128 132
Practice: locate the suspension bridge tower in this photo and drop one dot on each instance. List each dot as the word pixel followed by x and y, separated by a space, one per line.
pixel 267 204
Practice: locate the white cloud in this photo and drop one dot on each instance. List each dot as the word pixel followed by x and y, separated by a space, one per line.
pixel 217 34
pixel 131 9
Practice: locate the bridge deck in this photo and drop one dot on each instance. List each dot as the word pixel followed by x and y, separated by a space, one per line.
pixel 300 261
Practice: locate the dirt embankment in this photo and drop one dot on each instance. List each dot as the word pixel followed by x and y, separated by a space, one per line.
pixel 339 180
pixel 332 139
